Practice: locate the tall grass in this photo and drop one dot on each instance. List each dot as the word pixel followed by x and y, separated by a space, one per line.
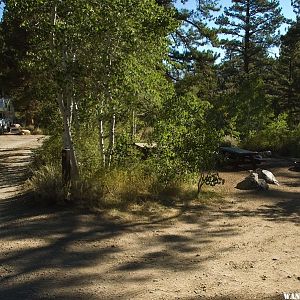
pixel 115 188
pixel 46 185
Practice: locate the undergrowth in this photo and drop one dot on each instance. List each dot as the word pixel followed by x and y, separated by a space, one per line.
pixel 138 184
pixel 116 188
pixel 277 137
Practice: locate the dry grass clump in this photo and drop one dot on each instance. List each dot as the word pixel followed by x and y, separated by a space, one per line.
pixel 46 185
pixel 128 191
pixel 34 130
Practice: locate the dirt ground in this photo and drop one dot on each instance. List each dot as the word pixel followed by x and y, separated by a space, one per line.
pixel 246 247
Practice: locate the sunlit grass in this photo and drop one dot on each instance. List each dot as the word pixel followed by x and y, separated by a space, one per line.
pixel 121 194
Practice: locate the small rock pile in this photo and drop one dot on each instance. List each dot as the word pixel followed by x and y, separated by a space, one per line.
pixel 258 180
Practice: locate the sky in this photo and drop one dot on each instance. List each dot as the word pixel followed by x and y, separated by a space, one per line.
pixel 285 4
pixel 1 10
pixel 286 10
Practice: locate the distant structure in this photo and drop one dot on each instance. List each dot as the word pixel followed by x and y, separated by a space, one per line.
pixel 7 114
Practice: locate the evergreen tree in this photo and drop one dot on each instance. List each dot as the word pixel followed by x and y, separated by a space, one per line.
pixel 252 28
pixel 286 82
pixel 296 8
pixel 193 33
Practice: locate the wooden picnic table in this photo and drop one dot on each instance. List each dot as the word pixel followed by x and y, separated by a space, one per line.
pixel 241 156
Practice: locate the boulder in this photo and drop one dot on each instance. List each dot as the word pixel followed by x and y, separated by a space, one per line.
pixel 253 182
pixel 267 176
pixel 25 132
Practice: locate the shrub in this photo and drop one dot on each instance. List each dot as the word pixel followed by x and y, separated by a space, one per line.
pixel 49 153
pixel 46 185
pixel 162 176
pixel 87 150
pixel 277 137
pixel 229 141
pixel 37 131
pixel 115 188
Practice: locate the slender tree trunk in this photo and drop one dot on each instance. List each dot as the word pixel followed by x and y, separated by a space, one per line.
pixel 66 113
pixel 200 182
pixel 247 39
pixel 65 103
pixel 290 87
pixel 101 134
pixel 101 142
pixel 133 125
pixel 53 22
pixel 247 63
pixel 112 138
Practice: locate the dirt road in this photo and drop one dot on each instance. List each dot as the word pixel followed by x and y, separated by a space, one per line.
pixel 15 151
pixel 245 248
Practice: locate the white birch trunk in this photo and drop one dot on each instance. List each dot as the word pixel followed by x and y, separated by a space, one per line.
pixel 53 22
pixel 66 113
pixel 112 138
pixel 66 108
pixel 101 142
pixel 133 125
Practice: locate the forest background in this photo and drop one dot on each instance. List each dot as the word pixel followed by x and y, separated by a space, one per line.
pixel 99 77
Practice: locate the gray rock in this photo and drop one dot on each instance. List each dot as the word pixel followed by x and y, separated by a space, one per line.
pixel 267 176
pixel 253 182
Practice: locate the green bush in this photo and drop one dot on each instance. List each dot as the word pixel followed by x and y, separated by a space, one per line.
pixel 87 151
pixel 125 152
pixel 277 137
pixel 49 153
pixel 229 141
pixel 186 145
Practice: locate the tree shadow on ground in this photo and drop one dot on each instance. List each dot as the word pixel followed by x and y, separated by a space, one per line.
pixel 63 242
pixel 45 249
pixel 63 253
pixel 13 167
pixel 284 206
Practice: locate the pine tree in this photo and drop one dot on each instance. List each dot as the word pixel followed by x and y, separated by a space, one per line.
pixel 194 33
pixel 251 26
pixel 286 84
pixel 296 8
